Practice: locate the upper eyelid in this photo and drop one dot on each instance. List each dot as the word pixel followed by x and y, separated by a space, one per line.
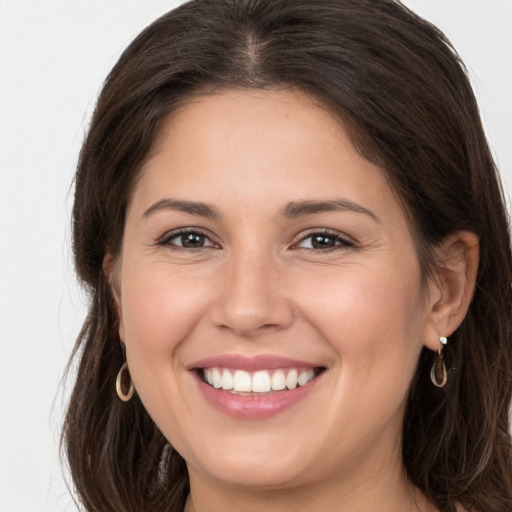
pixel 327 232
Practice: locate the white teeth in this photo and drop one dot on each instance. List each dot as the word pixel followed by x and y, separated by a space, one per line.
pixel 291 379
pixel 217 378
pixel 262 381
pixel 227 380
pixel 278 380
pixel 306 376
pixel 242 381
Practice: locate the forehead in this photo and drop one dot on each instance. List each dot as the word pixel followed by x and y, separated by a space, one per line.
pixel 241 138
pixel 224 119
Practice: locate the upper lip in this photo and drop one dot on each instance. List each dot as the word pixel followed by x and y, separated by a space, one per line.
pixel 252 364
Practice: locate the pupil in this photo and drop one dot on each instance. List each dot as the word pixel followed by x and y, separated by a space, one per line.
pixel 193 240
pixel 322 241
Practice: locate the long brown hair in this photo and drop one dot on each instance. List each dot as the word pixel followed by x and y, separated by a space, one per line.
pixel 402 91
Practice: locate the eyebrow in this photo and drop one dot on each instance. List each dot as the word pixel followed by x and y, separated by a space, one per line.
pixel 191 207
pixel 302 208
pixel 291 211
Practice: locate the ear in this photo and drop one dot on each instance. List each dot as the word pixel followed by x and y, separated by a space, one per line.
pixel 452 286
pixel 111 270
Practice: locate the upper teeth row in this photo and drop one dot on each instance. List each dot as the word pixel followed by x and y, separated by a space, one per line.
pixel 261 381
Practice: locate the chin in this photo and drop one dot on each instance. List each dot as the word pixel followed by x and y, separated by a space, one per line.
pixel 258 468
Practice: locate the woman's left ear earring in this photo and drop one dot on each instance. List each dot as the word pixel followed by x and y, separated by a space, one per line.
pixel 438 373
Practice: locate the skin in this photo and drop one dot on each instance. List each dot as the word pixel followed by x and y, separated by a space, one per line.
pixel 257 286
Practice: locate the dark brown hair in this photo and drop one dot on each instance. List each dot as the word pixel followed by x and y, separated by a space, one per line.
pixel 399 86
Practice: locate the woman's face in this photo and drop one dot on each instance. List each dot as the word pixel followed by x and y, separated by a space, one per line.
pixel 263 253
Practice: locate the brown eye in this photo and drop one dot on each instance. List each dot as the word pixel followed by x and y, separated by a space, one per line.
pixel 324 241
pixel 188 240
pixel 192 240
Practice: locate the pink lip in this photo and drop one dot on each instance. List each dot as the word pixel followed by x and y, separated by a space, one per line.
pixel 250 364
pixel 254 406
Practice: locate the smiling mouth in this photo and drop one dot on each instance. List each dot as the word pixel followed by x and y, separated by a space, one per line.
pixel 242 382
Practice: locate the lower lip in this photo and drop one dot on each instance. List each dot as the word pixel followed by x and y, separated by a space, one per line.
pixel 254 407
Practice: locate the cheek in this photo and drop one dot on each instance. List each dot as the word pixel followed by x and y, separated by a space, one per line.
pixel 160 310
pixel 158 306
pixel 373 318
pixel 373 322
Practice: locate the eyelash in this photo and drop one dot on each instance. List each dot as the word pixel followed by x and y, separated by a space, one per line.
pixel 166 240
pixel 340 241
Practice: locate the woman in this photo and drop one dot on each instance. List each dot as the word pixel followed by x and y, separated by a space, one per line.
pixel 295 242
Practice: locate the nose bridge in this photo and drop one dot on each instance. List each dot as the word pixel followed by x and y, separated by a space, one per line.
pixel 252 295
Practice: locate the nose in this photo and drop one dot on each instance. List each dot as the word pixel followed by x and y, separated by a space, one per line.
pixel 252 299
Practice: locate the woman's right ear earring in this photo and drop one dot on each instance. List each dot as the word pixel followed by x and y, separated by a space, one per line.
pixel 438 373
pixel 124 374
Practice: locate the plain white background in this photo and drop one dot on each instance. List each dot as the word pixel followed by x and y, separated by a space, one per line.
pixel 54 56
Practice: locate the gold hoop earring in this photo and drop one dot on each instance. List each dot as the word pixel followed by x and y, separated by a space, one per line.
pixel 438 373
pixel 119 384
